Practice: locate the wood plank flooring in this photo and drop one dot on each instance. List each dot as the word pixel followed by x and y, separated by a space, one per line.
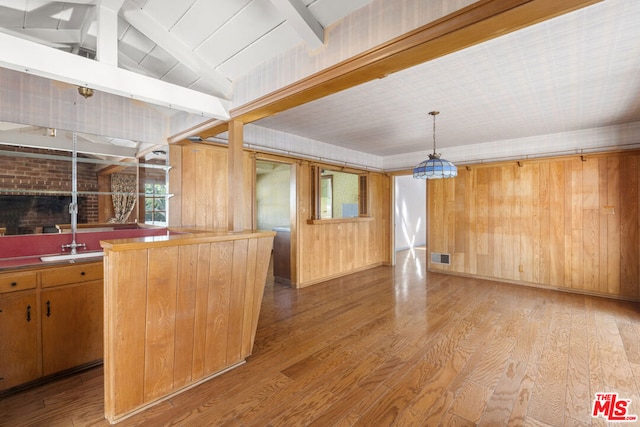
pixel 395 346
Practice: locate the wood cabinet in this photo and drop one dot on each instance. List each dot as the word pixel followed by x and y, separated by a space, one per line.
pixel 71 326
pixel 18 339
pixel 51 320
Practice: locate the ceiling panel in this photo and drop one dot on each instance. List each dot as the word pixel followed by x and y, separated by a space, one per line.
pixel 253 22
pixel 205 18
pixel 10 17
pixel 166 13
pixel 278 40
pixel 158 61
pixel 181 75
pixel 45 16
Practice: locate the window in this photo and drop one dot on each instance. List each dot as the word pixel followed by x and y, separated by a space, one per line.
pixel 155 203
pixel 339 194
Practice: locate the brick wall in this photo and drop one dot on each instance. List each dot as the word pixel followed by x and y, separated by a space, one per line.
pixel 41 209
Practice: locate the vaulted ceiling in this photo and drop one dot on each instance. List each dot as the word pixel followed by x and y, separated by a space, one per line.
pixel 202 45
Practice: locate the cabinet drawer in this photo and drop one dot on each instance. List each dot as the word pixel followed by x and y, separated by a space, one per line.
pixel 83 272
pixel 14 281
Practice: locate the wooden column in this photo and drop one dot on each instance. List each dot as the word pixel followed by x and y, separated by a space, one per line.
pixel 236 177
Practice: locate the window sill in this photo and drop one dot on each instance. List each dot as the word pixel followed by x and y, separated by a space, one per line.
pixel 339 220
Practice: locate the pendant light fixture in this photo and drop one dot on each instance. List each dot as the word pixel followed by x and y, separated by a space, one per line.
pixel 435 167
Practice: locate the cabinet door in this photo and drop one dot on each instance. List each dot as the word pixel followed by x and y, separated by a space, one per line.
pixel 71 326
pixel 18 339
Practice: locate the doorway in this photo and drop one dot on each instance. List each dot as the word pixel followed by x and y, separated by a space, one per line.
pixel 274 182
pixel 410 216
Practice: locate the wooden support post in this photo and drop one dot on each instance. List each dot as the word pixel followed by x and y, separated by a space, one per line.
pixel 236 177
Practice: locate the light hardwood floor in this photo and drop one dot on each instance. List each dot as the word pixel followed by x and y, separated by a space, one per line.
pixel 395 346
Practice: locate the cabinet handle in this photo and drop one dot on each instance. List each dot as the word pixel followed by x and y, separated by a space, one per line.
pixel 28 313
pixel 82 273
pixel 14 284
pixel 48 308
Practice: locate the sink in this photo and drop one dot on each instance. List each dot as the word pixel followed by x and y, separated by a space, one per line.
pixel 69 257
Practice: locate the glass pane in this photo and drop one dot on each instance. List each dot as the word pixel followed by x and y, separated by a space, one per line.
pixel 339 194
pixel 159 204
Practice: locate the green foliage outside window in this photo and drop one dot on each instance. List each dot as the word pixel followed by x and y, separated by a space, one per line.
pixel 155 203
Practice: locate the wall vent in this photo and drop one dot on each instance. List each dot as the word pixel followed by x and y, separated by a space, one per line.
pixel 438 258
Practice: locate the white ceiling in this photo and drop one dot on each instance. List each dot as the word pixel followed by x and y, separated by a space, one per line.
pixel 575 72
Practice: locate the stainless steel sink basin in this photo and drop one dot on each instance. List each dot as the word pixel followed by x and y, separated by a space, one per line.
pixel 70 257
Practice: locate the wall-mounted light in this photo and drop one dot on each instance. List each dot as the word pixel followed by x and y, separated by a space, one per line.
pixel 87 92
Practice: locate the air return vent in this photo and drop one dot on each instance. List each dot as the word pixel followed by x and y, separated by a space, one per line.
pixel 438 258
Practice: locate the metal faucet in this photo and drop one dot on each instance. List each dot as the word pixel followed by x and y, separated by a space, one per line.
pixel 73 206
pixel 73 246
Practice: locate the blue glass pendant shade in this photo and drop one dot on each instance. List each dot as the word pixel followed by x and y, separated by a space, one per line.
pixel 435 168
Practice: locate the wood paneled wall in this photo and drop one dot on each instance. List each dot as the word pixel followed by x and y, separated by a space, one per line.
pixel 198 179
pixel 570 222
pixel 199 182
pixel 332 249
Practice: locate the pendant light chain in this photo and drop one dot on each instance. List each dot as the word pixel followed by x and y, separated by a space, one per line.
pixel 434 113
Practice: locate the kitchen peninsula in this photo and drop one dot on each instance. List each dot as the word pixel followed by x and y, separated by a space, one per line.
pixel 179 306
pixel 178 310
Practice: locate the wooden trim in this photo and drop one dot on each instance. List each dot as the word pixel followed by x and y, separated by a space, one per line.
pixel 339 220
pixel 190 236
pixel 535 160
pixel 293 215
pixel 536 285
pixel 212 125
pixel 315 192
pixel 474 24
pixel 335 276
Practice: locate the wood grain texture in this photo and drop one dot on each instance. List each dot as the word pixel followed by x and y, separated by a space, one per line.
pixel 236 181
pixel 570 223
pixel 186 293
pixel 160 327
pixel 124 330
pixel 237 301
pixel 18 337
pixel 72 325
pixel 329 249
pixel 201 321
pixel 192 309
pixel 395 346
